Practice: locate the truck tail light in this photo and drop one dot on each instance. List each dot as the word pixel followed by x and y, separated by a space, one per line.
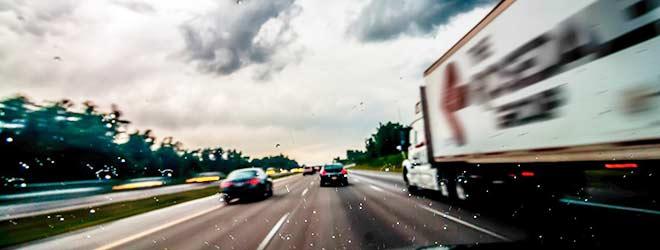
pixel 527 173
pixel 343 171
pixel 323 172
pixel 621 165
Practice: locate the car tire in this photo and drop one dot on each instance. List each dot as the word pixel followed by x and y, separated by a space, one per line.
pixel 227 199
pixel 270 190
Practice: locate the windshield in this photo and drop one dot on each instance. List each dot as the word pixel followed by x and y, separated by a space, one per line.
pixel 343 124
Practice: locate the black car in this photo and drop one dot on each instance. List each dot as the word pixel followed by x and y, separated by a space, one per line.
pixel 246 183
pixel 334 174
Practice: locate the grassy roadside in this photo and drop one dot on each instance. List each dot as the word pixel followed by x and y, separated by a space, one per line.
pixel 397 169
pixel 390 163
pixel 26 229
pixel 41 226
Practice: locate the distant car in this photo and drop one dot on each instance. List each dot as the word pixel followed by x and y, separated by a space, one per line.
pixel 246 183
pixel 297 170
pixel 307 170
pixel 271 171
pixel 317 168
pixel 334 174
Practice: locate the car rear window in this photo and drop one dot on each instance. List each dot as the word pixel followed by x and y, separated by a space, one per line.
pixel 333 167
pixel 242 174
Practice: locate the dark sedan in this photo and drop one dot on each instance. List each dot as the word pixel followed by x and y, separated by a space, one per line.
pixel 334 174
pixel 246 183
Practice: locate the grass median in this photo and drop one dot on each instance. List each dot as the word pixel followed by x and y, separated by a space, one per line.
pixel 26 229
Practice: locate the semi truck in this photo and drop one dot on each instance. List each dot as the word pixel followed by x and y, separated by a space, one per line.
pixel 537 93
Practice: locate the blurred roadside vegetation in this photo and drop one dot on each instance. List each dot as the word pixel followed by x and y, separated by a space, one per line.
pixel 56 141
pixel 384 150
pixel 390 163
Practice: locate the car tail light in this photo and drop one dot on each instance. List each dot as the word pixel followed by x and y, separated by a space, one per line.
pixel 527 173
pixel 226 184
pixel 343 171
pixel 323 172
pixel 621 165
pixel 254 181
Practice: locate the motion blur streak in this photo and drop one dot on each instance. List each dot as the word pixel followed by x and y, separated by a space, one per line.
pixel 203 179
pixel 135 185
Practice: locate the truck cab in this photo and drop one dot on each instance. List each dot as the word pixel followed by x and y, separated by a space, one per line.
pixel 417 171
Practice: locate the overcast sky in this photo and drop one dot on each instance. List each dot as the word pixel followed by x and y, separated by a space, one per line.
pixel 314 76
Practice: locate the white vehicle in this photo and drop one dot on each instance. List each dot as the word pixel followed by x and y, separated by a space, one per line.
pixel 515 105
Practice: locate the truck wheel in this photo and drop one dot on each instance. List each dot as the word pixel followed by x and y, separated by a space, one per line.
pixel 412 189
pixel 461 191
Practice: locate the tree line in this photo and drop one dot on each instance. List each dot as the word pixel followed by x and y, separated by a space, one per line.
pixel 56 141
pixel 390 138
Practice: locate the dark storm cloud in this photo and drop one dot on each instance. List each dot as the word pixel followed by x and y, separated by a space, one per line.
pixel 382 20
pixel 140 7
pixel 234 36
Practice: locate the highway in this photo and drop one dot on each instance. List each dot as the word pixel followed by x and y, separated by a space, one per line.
pixel 373 212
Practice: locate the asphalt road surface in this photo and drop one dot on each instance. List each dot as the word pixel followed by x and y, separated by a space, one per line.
pixel 372 212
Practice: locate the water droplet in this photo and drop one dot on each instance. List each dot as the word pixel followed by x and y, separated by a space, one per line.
pixel 91 211
pixel 314 211
pixel 9 139
pixel 88 236
pixel 61 219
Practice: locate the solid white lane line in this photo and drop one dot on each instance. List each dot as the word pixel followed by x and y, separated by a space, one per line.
pixel 376 188
pixel 272 232
pixel 156 229
pixel 304 192
pixel 465 223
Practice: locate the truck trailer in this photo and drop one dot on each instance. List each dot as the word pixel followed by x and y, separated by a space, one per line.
pixel 537 93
